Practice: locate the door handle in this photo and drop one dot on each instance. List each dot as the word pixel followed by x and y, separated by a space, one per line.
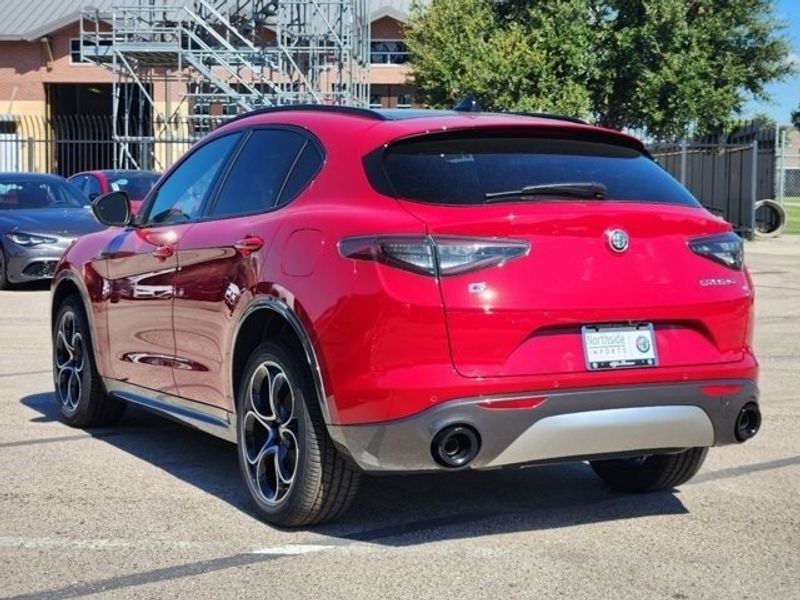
pixel 164 251
pixel 248 245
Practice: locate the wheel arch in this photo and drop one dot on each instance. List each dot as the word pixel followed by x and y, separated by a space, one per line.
pixel 66 286
pixel 264 318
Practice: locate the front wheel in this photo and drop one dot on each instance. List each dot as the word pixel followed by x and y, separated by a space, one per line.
pixel 79 391
pixel 651 472
pixel 4 284
pixel 293 472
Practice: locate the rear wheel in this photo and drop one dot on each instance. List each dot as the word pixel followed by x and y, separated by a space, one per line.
pixel 79 391
pixel 651 472
pixel 293 472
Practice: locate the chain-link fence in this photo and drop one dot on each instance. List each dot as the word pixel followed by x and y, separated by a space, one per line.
pixel 787 166
pixel 791 183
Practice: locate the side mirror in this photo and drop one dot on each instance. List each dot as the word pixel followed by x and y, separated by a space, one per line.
pixel 113 209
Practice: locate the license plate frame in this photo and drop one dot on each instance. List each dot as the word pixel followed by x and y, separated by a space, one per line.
pixel 607 347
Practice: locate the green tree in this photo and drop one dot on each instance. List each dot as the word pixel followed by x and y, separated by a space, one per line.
pixel 464 46
pixel 663 65
pixel 796 117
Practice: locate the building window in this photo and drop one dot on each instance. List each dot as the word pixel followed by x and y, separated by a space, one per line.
pixel 405 101
pixel 391 96
pixel 75 50
pixel 388 52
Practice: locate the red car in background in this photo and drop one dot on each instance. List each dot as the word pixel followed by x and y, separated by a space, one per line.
pixel 340 290
pixel 137 184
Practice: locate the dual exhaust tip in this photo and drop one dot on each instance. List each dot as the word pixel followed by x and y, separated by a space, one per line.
pixel 455 446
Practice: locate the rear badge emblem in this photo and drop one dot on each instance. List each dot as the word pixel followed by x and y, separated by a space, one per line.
pixel 714 282
pixel 618 240
pixel 643 344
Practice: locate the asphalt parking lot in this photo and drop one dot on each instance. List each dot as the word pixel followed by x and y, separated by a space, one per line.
pixel 153 510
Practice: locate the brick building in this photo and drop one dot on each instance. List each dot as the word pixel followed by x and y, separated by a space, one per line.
pixel 55 107
pixel 41 72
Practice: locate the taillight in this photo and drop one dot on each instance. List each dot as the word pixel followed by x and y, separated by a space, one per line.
pixel 726 249
pixel 435 256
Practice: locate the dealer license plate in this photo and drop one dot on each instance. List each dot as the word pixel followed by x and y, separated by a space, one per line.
pixel 619 346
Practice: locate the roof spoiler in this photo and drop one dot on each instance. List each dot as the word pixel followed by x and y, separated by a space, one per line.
pixel 470 104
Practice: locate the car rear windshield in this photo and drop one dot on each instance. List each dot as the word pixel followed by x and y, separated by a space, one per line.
pixel 457 169
pixel 25 194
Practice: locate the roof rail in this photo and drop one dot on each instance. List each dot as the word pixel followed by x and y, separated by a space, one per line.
pixel 329 108
pixel 555 117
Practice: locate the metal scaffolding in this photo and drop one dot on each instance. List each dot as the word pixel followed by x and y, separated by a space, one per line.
pixel 195 62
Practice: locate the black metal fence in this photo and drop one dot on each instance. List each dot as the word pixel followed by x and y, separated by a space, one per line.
pixel 728 176
pixel 72 143
pixel 723 177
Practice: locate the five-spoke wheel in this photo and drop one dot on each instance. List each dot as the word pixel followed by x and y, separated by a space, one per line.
pixel 69 362
pixel 270 432
pixel 79 390
pixel 294 473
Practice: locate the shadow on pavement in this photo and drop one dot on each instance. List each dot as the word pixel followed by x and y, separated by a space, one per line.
pixel 390 510
pixel 33 286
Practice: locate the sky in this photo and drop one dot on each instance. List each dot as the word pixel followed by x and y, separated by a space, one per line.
pixel 786 94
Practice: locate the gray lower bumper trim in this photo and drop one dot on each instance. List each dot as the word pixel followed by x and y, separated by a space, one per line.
pixel 569 424
pixel 609 431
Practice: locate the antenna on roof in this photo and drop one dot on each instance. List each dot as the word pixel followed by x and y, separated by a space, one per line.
pixel 468 104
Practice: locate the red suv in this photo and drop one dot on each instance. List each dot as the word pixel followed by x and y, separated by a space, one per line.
pixel 340 290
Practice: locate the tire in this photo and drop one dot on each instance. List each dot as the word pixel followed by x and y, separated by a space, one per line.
pixel 770 219
pixel 293 472
pixel 79 392
pixel 4 283
pixel 650 473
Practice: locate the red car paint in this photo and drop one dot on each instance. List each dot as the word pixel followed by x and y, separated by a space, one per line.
pixel 392 343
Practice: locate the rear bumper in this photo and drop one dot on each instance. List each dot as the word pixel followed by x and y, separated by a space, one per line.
pixel 569 425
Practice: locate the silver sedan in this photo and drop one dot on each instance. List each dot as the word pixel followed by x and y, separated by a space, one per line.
pixel 40 216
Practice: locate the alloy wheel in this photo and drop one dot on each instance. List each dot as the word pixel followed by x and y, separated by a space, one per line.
pixel 270 434
pixel 70 355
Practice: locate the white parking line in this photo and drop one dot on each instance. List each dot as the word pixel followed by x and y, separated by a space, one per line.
pixel 103 543
pixel 38 543
pixel 292 549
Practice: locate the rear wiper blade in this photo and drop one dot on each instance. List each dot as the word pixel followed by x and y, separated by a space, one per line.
pixel 580 189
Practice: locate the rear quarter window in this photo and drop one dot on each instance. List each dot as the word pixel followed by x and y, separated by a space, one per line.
pixel 461 169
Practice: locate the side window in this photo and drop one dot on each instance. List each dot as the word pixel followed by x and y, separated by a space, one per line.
pixel 79 182
pixel 180 197
pixel 257 177
pixel 92 186
pixel 306 167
